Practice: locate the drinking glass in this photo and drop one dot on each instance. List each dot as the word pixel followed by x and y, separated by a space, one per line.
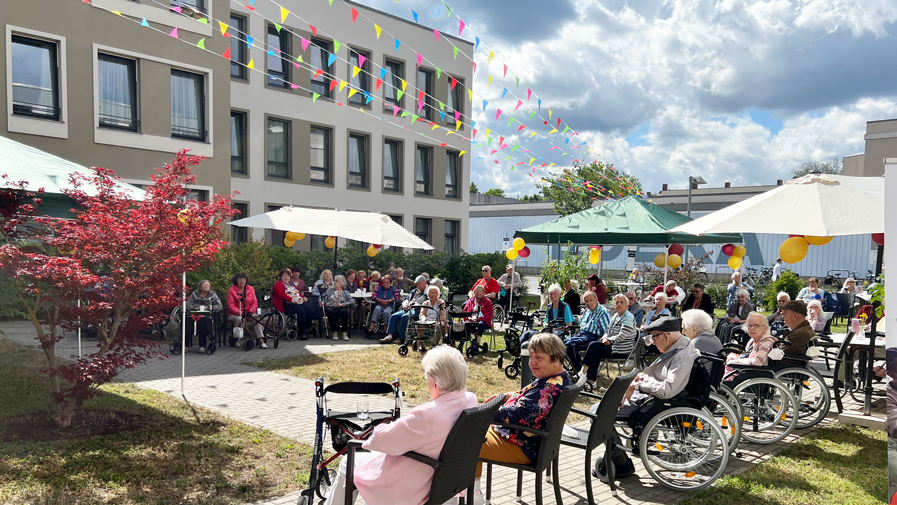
pixel 362 410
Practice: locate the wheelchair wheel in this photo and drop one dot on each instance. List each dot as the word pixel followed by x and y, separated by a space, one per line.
pixel 273 324
pixel 727 418
pixel 472 350
pixel 812 395
pixel 325 480
pixel 292 335
pixel 175 348
pixel 501 360
pixel 248 344
pixel 727 393
pixel 484 348
pixel 211 345
pixel 512 371
pixel 498 313
pixel 683 449
pixel 768 407
pixel 403 350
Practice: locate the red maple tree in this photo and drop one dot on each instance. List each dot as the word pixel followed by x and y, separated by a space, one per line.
pixel 123 259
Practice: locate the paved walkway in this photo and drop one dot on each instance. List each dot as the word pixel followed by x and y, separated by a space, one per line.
pixel 285 405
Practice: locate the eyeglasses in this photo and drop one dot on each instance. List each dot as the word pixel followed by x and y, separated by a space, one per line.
pixel 485 269
pixel 755 326
pixel 650 338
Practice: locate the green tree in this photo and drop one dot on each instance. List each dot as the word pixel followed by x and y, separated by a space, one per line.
pixel 533 198
pixel 474 190
pixel 832 167
pixel 495 192
pixel 588 182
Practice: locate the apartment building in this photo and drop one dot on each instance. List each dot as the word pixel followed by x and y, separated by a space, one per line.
pixel 98 89
pixel 289 148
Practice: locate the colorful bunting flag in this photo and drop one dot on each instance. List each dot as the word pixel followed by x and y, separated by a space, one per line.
pixel 336 45
pixel 354 14
pixel 355 71
pixel 284 13
pixel 531 114
pixel 251 64
pixel 442 116
pixel 333 84
pixel 377 29
pixel 474 67
pixel 506 72
pixel 457 125
pixel 470 94
pixel 314 31
pixel 504 91
pixel 477 45
pixel 461 27
pixel 277 27
pixel 529 94
pixel 222 24
pixel 342 85
pixel 318 73
pixel 226 54
pixel 518 83
pixel 305 43
pixel 454 83
pixel 490 81
pixel 398 43
pixel 521 127
pixel 491 55
pixel 455 50
pixel 330 59
pixel 462 153
pixel 249 40
pixel 414 14
pixel 436 34
pixel 314 97
pixel 404 84
pixel 201 44
pixel 448 8
pixel 497 113
pixel 399 94
pixel 510 120
pixel 540 104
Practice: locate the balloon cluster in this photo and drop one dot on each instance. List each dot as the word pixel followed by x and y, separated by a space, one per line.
pixel 374 249
pixel 291 237
pixel 736 255
pixel 795 247
pixel 672 258
pixel 594 254
pixel 518 248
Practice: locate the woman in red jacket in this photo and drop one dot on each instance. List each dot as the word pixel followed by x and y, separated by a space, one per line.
pixel 241 301
pixel 482 306
pixel 288 300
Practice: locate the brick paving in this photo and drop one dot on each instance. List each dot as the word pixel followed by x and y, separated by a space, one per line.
pixel 285 405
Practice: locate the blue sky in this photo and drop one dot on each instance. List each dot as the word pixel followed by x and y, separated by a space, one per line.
pixel 732 90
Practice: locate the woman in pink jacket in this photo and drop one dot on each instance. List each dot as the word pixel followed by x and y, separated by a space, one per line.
pixel 241 301
pixel 385 477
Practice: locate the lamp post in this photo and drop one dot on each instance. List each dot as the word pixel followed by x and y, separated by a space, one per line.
pixel 692 182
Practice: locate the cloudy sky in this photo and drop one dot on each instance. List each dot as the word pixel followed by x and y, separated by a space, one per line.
pixel 731 90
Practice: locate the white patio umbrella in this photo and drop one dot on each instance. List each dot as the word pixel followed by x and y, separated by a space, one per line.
pixel 816 204
pixel 369 227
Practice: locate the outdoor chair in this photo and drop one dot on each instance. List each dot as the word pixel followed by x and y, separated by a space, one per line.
pixel 602 429
pixel 455 470
pixel 549 447
pixel 845 302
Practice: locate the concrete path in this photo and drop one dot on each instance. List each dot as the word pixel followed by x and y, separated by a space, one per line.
pixel 286 406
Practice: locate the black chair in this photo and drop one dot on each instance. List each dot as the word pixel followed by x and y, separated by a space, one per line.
pixel 549 447
pixel 602 429
pixel 455 470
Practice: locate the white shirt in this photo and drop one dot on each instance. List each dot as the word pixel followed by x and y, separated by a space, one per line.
pixel 776 271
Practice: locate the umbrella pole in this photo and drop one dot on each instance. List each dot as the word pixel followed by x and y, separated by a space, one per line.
pixel 183 330
pixel 335 249
pixel 867 400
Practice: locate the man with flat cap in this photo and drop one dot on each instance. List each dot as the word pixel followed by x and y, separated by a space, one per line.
pixel 794 314
pixel 665 378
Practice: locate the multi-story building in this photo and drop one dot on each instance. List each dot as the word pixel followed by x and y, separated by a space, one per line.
pixel 291 149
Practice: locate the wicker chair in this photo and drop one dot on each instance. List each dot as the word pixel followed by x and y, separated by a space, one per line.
pixel 455 470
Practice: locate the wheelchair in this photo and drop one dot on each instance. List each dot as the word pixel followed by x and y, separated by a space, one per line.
pixel 343 427
pixel 421 334
pixel 175 327
pixel 519 322
pixel 810 391
pixel 378 325
pixel 462 332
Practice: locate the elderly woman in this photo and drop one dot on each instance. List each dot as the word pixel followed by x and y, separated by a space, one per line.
pixel 571 297
pixel 384 476
pixel 529 407
pixel 735 316
pixel 850 287
pixel 382 300
pixel 555 309
pixel 815 316
pixel 241 300
pixel 434 311
pixel 734 286
pixel 811 292
pixel 697 300
pixel 202 299
pixel 287 299
pixel 618 343
pixel 636 276
pixel 776 315
pixel 697 325
pixel 337 306
pixel 482 307
pixel 756 353
pixel 372 283
pixel 595 285
pixel 660 309
pixel 362 279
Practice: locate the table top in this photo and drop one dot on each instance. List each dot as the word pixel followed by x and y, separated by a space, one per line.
pixel 630 284
pixel 839 338
pixel 361 295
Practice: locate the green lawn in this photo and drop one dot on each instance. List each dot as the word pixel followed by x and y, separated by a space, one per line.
pixel 130 446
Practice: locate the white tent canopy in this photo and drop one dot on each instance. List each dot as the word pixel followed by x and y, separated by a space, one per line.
pixel 40 169
pixel 815 204
pixel 367 227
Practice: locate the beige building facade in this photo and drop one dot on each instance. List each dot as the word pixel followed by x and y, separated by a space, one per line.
pixel 881 143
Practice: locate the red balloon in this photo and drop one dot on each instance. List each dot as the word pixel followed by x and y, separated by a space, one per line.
pixel 378 246
pixel 594 247
pixel 524 253
pixel 676 249
pixel 728 249
pixel 879 238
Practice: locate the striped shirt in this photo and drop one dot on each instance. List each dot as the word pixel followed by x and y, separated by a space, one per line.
pixel 595 322
pixel 622 332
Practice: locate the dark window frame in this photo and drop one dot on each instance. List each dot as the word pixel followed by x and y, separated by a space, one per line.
pixel 28 109
pixel 321 85
pixel 451 191
pixel 363 160
pixel 238 39
pixel 397 179
pixel 281 78
pixel 426 236
pixel 458 98
pixel 363 82
pixel 131 64
pixel 287 132
pixel 201 133
pixel 452 238
pixel 423 187
pixel 395 85
pixel 239 234
pixel 328 156
pixel 242 140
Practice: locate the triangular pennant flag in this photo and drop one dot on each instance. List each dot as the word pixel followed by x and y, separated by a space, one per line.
pixel 519 103
pixel 398 43
pixel 331 3
pixel 485 103
pixel 470 94
pixel 420 95
pixel 201 44
pixel 491 55
pixel 549 114
pixel 529 94
pixel 404 113
pixel 457 125
pixel 354 14
pixel 540 104
pixel 314 31
pixel 420 59
pixel 501 140
pixel 531 160
pixel 510 120
pixel 565 129
pixel 251 64
pixel 297 65
pixel 204 21
pixel 433 126
pixel 444 144
pixel 442 116
pixel 283 14
pixel 518 83
pixel 352 91
pixel 414 118
pixel 506 71
pixel 355 71
pixel 415 16
pixel 474 67
pixel 377 84
pixel 399 94
pixel 420 105
pixel 559 122
pixel 294 86
pixel 462 153
pixel 448 8
pixel 456 51
pixel 504 91
pixel 377 29
pixel 516 146
pixel 330 59
pixel 531 114
pixel 521 127
pixel 404 84
pixel 305 43
pixel 438 73
pixel 553 131
pixel 395 110
pixel 436 34
pixel 532 134
pixel 226 54
pixel 336 45
pixel 342 84
pixel 382 73
pixel 461 28
pixel 361 60
pixel 144 23
pixel 222 24
pixel 457 115
pixel 489 143
pixel 277 27
pixel 453 84
pixel 249 40
pixel 333 84
pixel 490 81
pixel 318 73
pixel 488 132
pixel 368 97
pixel 473 133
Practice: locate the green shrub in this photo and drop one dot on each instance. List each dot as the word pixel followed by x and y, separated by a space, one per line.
pixel 718 293
pixel 787 282
pixel 11 307
pixel 252 258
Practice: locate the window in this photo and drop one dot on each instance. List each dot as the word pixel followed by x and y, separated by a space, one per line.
pixel 277 236
pixel 199 195
pixel 239 234
pixel 392 168
pixel 320 51
pixel 358 173
pixel 185 5
pixel 451 174
pixel 454 101
pixel 278 65
pixel 360 81
pixel 278 149
pixel 422 229
pixel 117 87
pixel 317 243
pixel 320 155
pixel 393 82
pixel 425 84
pixel 187 105
pixel 237 142
pixel 451 236
pixel 35 81
pixel 424 170
pixel 238 47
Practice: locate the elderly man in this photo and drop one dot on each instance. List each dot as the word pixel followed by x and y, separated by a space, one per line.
pixel 595 323
pixel 618 343
pixel 510 282
pixel 795 316
pixel 489 284
pixel 398 322
pixel 638 313
pixel 403 283
pixel 663 379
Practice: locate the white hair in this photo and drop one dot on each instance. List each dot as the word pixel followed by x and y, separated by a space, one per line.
pixel 816 304
pixel 758 316
pixel 438 291
pixel 783 293
pixel 661 296
pixel 618 295
pixel 743 292
pixel 339 279
pixel 446 367
pixel 735 274
pixel 701 320
pixel 555 288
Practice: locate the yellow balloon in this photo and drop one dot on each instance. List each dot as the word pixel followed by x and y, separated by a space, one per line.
pixel 734 262
pixel 793 250
pixel 739 251
pixel 675 261
pixel 182 216
pixel 519 243
pixel 372 251
pixel 594 259
pixel 817 240
pixel 298 236
pixel 595 253
pixel 330 242
pixel 660 260
pixel 289 236
pixel 287 241
pixel 512 253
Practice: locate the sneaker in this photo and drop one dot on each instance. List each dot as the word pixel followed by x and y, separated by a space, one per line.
pixel 264 345
pixel 386 340
pixel 345 336
pixel 202 350
pixel 335 336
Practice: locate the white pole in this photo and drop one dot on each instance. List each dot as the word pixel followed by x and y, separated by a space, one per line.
pixel 511 291
pixel 79 331
pixel 183 330
pixel 666 261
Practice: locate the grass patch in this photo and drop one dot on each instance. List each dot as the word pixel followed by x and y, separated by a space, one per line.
pixel 132 445
pixel 838 464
